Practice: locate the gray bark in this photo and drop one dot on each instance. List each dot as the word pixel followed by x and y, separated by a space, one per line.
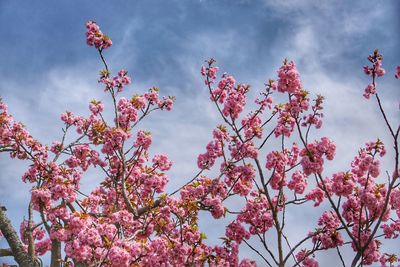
pixel 20 256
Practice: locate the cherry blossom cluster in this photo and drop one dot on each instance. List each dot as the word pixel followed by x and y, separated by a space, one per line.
pixel 328 234
pixel 289 78
pixel 117 82
pixel 397 75
pixel 228 93
pixel 304 258
pixel 277 161
pixel 290 113
pixel 312 156
pixel 94 36
pixel 375 70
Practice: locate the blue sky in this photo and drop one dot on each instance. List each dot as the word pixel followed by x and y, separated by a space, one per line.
pixel 46 67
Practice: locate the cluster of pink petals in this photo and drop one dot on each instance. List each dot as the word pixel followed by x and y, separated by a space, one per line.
pixel 211 192
pixel 303 257
pixel 94 36
pixel 96 107
pixel 290 113
pixel 121 80
pixel 83 157
pixel 143 139
pixel 312 157
pixel 289 78
pixel 252 126
pixel 285 124
pixel 118 82
pixel 236 232
pixel 343 183
pixel 298 183
pixel 317 195
pixel 113 140
pixel 235 101
pixel 314 118
pixel 214 150
pixel 265 102
pixel 210 72
pixel 240 178
pixel 257 215
pixel 375 70
pixel 225 85
pixel 277 161
pixel 228 93
pixel 365 164
pixel 372 253
pixel 241 150
pixel 81 123
pixel 328 234
pixel 369 90
pixel 162 162
pixel 397 75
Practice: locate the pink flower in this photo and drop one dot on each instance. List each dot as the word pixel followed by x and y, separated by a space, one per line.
pixel 209 72
pixel 317 195
pixel 96 107
pixel 225 85
pixel 397 75
pixel 257 215
pixel 246 150
pixel 240 178
pixel 328 235
pixel 369 90
pixel 289 78
pixel 152 96
pixel 113 140
pixel 304 258
pixel 235 102
pixel 286 123
pixel 121 80
pixel 298 183
pixel 247 263
pixel 312 157
pixel 56 147
pixel 166 103
pixel 252 126
pixel 236 232
pixel 162 162
pixel 94 36
pixel 41 197
pixel 343 183
pixel 42 247
pixel 221 134
pixel 68 118
pixel 217 209
pixel 143 139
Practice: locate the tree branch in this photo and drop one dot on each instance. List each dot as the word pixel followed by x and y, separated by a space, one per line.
pixel 6 252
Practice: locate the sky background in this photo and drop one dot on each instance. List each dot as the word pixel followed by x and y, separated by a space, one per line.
pixel 47 68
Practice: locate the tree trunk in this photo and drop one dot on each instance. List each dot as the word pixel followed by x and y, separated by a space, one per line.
pixel 20 256
pixel 55 254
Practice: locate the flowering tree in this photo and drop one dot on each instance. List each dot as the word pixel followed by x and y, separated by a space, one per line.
pixel 129 219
